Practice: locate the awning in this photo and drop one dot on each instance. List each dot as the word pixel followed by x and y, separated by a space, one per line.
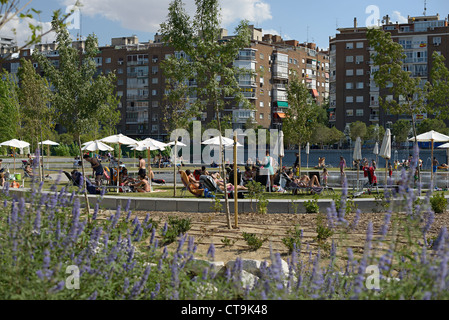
pixel 315 93
pixel 283 104
pixel 281 115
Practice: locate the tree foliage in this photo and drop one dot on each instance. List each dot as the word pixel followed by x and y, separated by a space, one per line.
pixel 438 87
pixel 407 91
pixel 9 108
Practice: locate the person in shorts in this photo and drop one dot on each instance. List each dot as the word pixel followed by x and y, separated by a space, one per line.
pixel 142 167
pixel 97 167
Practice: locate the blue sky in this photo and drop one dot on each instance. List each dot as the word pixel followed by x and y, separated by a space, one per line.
pixel 312 21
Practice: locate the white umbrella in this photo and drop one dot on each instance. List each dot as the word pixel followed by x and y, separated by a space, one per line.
pixel 49 143
pixel 95 146
pixel 14 143
pixel 385 150
pixel 446 146
pixel 148 145
pixel 119 139
pixel 358 156
pixel 179 144
pixel 376 151
pixel 226 142
pixel 432 137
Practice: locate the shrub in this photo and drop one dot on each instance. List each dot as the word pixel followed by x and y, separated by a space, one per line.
pixel 253 241
pixel 438 202
pixel 312 205
pixel 293 240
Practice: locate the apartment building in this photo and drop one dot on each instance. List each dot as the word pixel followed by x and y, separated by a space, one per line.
pixel 354 95
pixel 141 84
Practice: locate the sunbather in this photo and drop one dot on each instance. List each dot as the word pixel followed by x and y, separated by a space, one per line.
pixel 142 186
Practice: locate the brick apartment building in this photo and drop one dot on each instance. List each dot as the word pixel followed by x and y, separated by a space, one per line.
pixel 354 95
pixel 141 81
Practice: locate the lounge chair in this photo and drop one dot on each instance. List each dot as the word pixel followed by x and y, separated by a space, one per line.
pixel 190 187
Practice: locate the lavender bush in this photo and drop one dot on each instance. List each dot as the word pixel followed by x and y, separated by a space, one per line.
pixel 45 236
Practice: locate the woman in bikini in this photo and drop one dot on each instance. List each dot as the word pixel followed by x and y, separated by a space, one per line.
pixel 142 186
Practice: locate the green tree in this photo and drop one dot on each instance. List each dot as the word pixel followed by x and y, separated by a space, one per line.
pixel 36 111
pixel 9 108
pixel 11 9
pixel 81 97
pixel 336 135
pixel 375 133
pixel 177 113
pixel 432 124
pixel 300 117
pixel 400 130
pixel 438 87
pixel 358 129
pixel 408 92
pixel 212 59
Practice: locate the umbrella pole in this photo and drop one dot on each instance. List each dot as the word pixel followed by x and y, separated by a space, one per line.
pixel 386 170
pixel 14 155
pixel 431 163
pixel 149 170
pixel 118 166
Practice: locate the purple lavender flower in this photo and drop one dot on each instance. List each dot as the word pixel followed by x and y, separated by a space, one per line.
pixel 60 286
pixel 93 296
pixel 211 251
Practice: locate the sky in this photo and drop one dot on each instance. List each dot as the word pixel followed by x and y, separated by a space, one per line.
pixel 305 21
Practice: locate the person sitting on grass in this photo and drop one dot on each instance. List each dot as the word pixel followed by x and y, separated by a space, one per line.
pixel 142 186
pixel 29 170
pixel 305 181
pixel 229 186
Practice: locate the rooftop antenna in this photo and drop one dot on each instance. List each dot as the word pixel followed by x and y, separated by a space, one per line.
pixel 425 7
pixel 307 34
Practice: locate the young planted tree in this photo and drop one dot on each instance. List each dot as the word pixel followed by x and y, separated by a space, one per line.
pixel 13 9
pixel 300 118
pixel 177 111
pixel 438 87
pixel 36 111
pixel 81 98
pixel 9 108
pixel 408 92
pixel 212 59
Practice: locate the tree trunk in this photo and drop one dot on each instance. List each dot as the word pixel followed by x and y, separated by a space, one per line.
pixel 84 180
pixel 228 214
pixel 174 168
pixel 299 162
pixel 42 155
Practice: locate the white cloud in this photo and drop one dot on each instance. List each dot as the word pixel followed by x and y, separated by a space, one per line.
pixel 19 30
pixel 147 15
pixel 399 18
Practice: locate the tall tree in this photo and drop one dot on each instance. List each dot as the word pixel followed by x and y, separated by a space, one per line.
pixel 211 60
pixel 438 87
pixel 80 96
pixel 177 112
pixel 401 130
pixel 13 9
pixel 36 111
pixel 9 108
pixel 408 92
pixel 300 116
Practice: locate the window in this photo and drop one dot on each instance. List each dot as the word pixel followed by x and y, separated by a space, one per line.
pixel 108 60
pixel 119 71
pixel 120 82
pixel 349 72
pixel 154 92
pixel 349 85
pixel 261 116
pixel 350 45
pixel 360 72
pixel 359 45
pixel 358 59
pixel 261 104
pixel 349 58
pixel 155 80
pixel 359 112
pixel 349 113
pixel 349 99
pixel 360 85
pixel 154 69
pixel 436 41
pixel 359 99
pixel 155 104
pixel 261 56
pixel 303 61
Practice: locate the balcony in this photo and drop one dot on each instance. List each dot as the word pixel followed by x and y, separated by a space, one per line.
pixel 137 74
pixel 279 86
pixel 280 75
pixel 279 95
pixel 374 118
pixel 137 63
pixel 137 97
